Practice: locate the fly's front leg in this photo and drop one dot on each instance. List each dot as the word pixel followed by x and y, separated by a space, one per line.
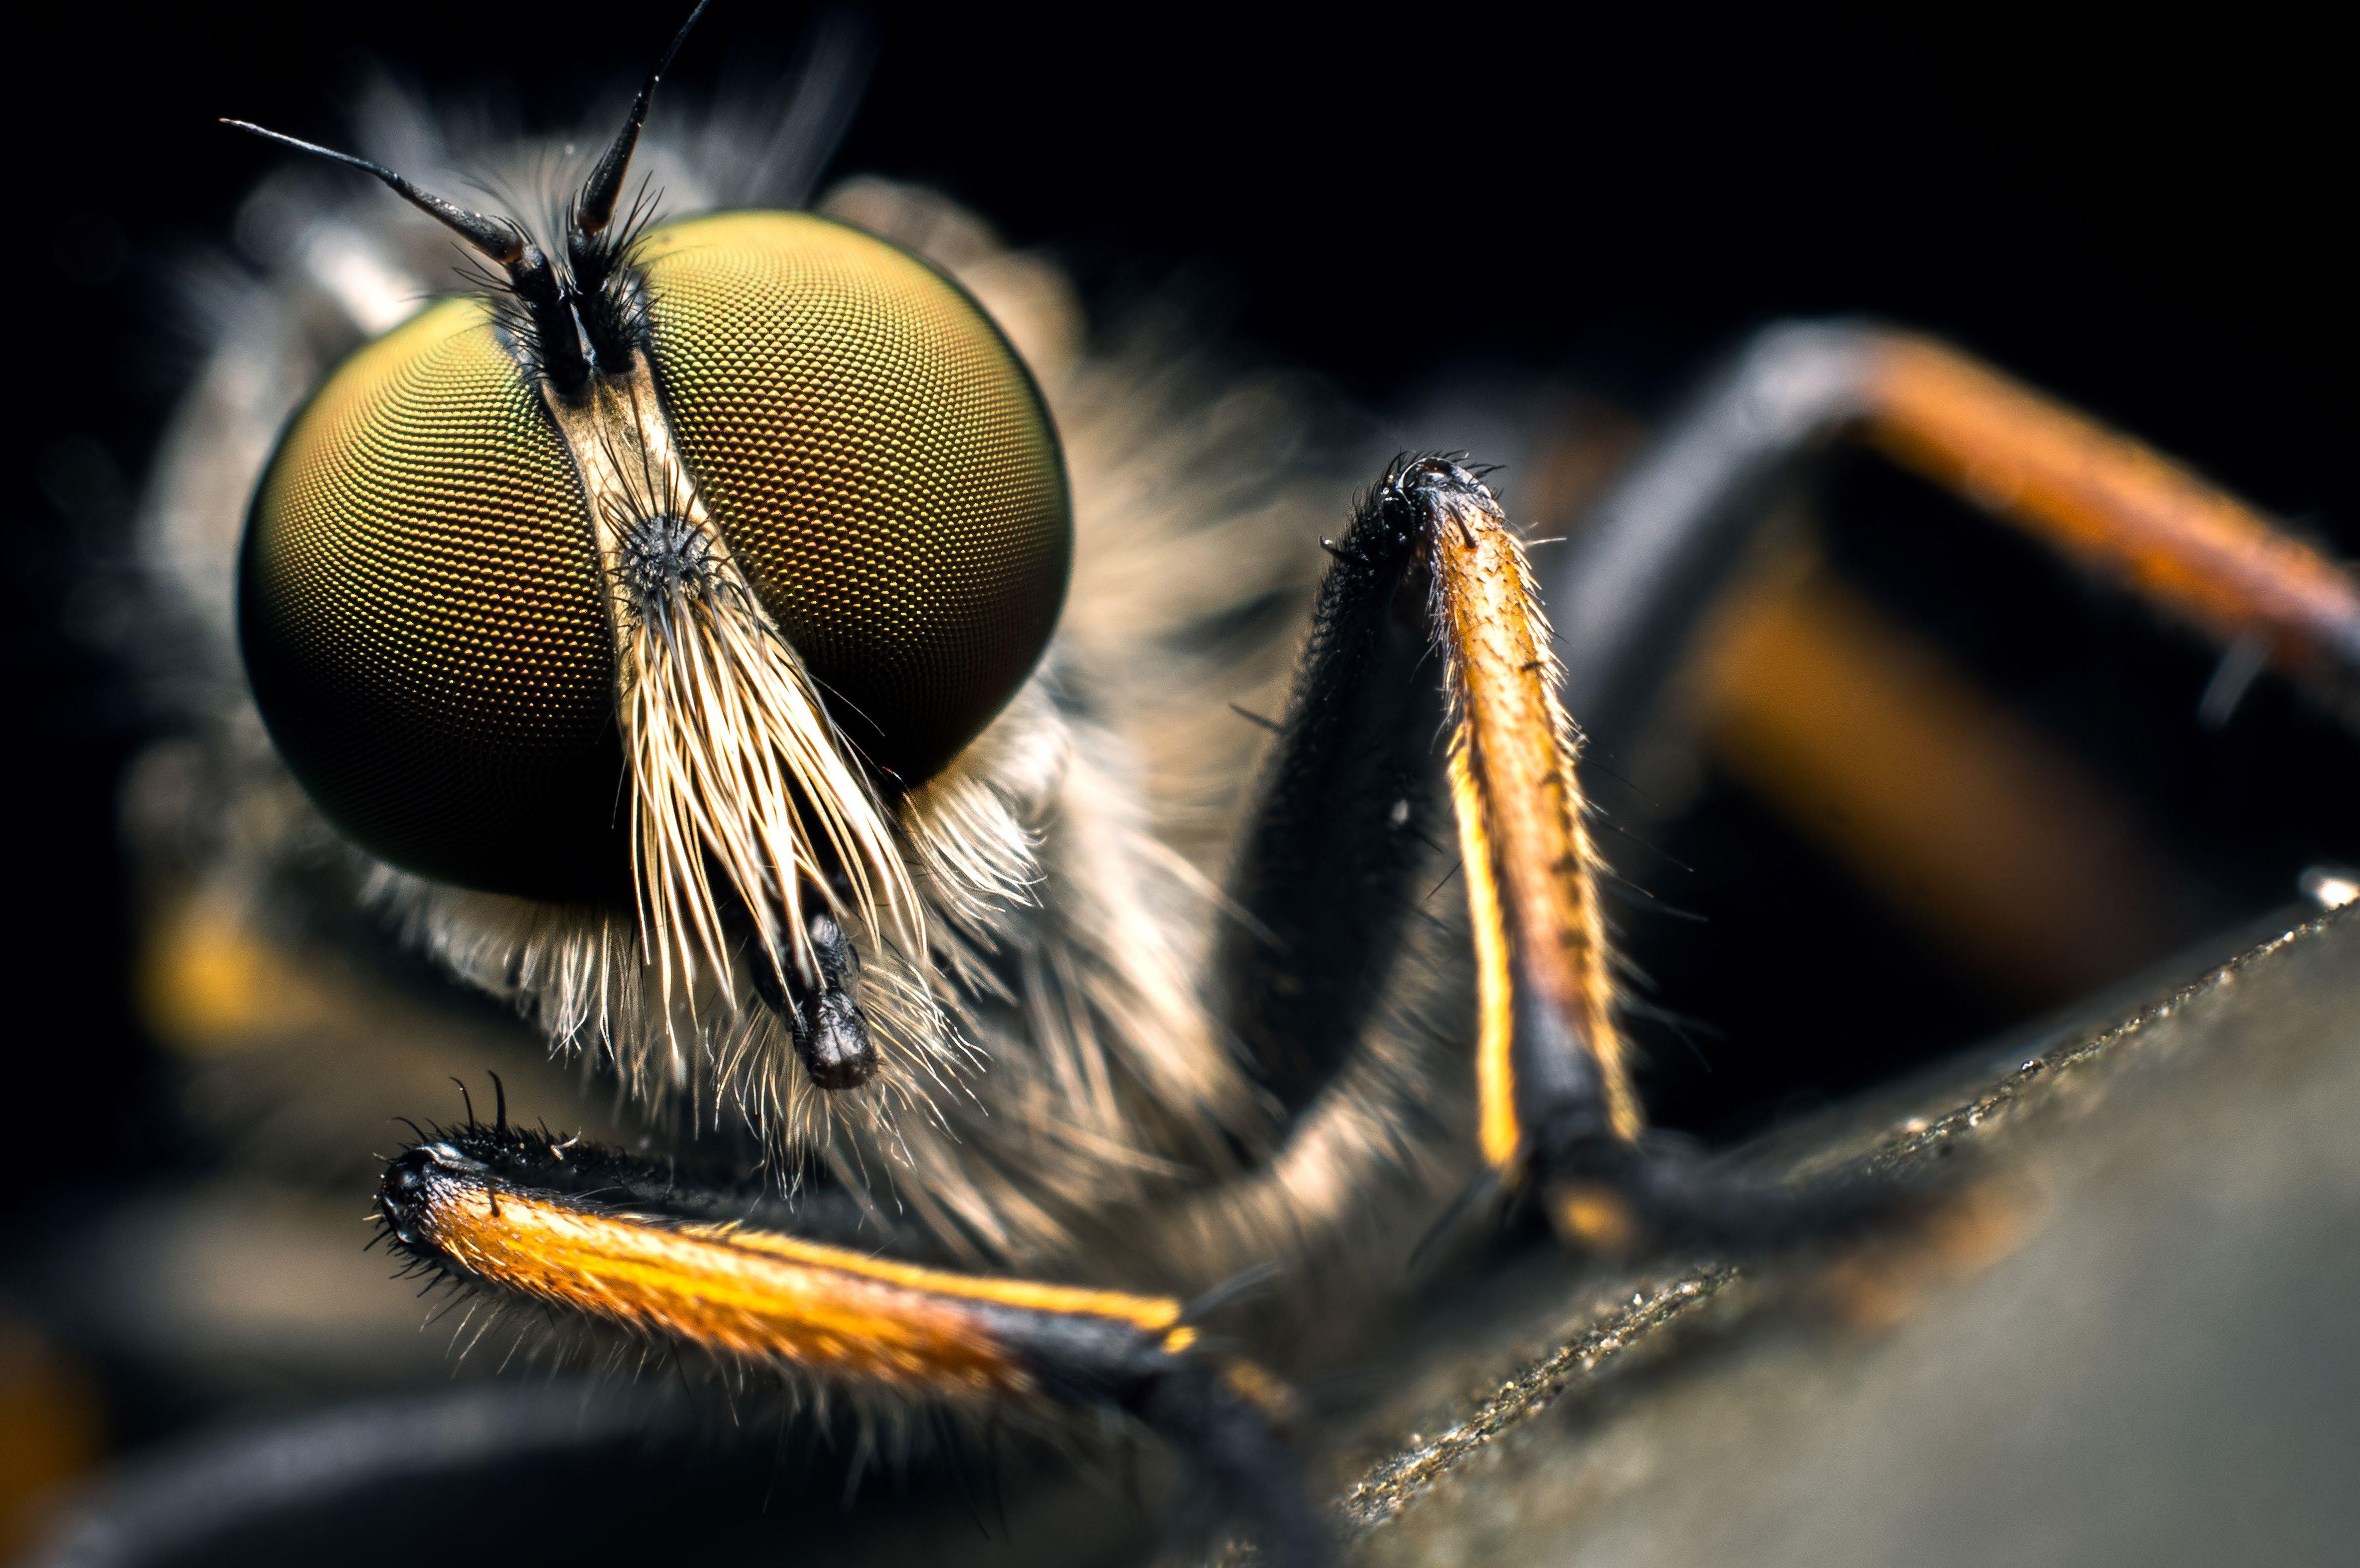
pixel 1327 881
pixel 1557 1116
pixel 601 1236
pixel 1429 567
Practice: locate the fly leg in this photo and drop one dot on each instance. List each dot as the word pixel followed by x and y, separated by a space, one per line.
pixel 1649 559
pixel 1430 567
pixel 799 1286
pixel 1557 1118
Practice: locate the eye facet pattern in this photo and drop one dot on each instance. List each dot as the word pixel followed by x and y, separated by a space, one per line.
pixel 879 462
pixel 425 623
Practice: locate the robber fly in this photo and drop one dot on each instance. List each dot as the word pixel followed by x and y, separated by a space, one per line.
pixel 751 642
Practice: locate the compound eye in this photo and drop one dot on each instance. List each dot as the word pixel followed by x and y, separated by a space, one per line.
pixel 879 461
pixel 425 622
pixel 420 601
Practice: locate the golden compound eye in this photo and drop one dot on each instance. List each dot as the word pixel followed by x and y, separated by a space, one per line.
pixel 420 601
pixel 879 461
pixel 423 620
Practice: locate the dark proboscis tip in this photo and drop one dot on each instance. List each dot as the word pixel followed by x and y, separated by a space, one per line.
pixel 822 1012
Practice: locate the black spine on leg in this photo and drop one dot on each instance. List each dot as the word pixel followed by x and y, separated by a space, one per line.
pixel 835 1046
pixel 1347 814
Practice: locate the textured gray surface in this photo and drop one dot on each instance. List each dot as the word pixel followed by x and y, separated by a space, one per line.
pixel 2159 1366
pixel 2150 1358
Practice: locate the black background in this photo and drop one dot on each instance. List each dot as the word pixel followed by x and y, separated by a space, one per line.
pixel 2140 214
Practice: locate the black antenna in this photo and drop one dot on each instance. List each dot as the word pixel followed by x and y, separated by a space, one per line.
pixel 595 207
pixel 497 238
pixel 556 337
pixel 613 307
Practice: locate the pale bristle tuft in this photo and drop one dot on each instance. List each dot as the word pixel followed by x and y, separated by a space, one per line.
pixel 735 769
